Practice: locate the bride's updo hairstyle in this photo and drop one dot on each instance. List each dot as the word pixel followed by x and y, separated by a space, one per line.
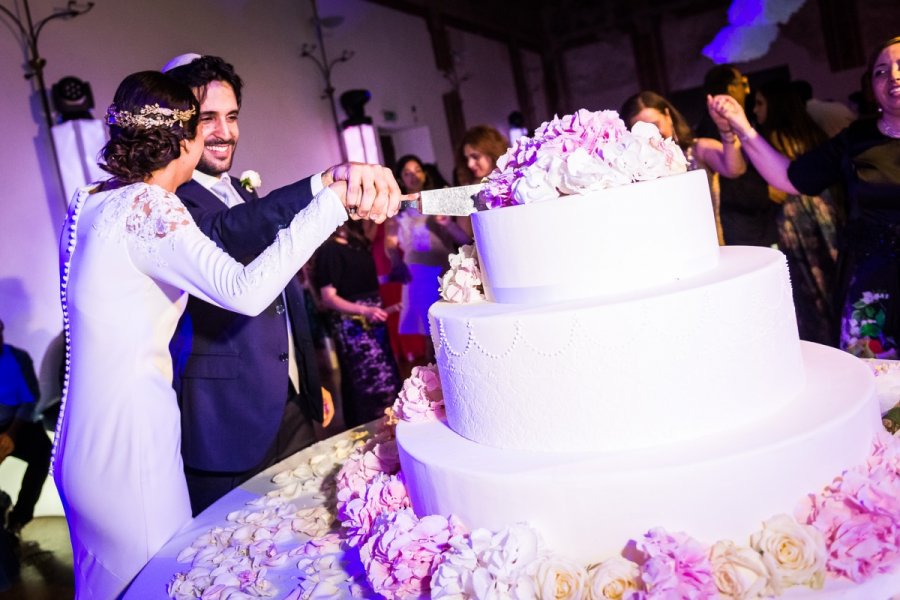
pixel 149 117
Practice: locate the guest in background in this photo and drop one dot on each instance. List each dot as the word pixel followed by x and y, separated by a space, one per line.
pixel 129 254
pixel 831 117
pixel 20 435
pixel 348 287
pixel 863 158
pixel 477 154
pixel 418 246
pixel 223 358
pixel 747 214
pixel 807 224
pixel 722 157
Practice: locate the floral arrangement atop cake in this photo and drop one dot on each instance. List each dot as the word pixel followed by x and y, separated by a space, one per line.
pixel 583 152
pixel 368 542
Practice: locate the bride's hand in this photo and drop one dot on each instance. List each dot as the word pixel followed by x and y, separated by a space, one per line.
pixel 371 192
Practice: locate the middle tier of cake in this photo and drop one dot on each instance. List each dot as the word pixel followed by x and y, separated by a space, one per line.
pixel 695 357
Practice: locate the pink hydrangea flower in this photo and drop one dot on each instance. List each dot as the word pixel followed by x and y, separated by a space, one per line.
pixel 403 551
pixel 385 493
pixel 677 566
pixel 421 398
pixel 859 515
pixel 611 156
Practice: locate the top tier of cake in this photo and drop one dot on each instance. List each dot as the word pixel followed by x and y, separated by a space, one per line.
pixel 599 244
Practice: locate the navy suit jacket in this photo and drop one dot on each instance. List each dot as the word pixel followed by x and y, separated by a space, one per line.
pixel 231 370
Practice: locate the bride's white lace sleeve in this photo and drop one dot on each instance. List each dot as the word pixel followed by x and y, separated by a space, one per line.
pixel 166 244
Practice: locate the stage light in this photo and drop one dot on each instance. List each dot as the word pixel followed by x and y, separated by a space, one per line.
pixel 72 99
pixel 354 104
pixel 517 127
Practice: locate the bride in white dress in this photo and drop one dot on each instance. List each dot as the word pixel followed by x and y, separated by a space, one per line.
pixel 130 254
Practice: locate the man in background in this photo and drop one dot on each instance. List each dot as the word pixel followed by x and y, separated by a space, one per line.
pixel 20 435
pixel 248 387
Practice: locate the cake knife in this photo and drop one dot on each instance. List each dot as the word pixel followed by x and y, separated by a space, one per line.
pixel 454 201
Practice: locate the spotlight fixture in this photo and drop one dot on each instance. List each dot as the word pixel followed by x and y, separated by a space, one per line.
pixel 72 99
pixel 353 102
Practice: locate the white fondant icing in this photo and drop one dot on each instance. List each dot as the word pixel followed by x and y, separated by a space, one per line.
pixel 588 505
pixel 616 240
pixel 629 370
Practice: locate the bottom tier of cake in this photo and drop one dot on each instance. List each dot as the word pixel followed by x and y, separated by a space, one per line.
pixel 589 505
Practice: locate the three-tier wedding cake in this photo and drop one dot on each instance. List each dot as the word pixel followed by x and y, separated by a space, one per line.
pixel 624 372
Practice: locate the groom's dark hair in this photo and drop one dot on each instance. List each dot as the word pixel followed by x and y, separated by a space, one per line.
pixel 198 74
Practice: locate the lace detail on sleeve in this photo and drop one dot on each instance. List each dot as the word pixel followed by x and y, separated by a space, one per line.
pixel 155 216
pixel 308 229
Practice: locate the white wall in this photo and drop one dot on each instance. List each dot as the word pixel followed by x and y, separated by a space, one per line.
pixel 286 127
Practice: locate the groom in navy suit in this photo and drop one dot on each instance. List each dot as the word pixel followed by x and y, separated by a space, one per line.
pixel 248 387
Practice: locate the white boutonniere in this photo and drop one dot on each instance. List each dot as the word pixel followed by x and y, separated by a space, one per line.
pixel 250 180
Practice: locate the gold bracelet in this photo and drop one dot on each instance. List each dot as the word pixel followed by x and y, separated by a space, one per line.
pixel 729 138
pixel 327 178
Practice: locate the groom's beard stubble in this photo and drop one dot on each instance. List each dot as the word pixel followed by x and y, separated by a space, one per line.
pixel 214 162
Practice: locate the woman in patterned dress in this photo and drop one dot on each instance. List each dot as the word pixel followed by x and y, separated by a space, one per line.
pixel 348 287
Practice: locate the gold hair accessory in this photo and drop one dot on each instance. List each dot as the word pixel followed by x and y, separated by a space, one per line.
pixel 151 115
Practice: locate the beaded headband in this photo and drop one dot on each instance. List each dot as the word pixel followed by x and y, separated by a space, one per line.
pixel 150 115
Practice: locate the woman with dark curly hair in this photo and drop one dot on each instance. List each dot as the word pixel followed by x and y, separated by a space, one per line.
pixel 130 253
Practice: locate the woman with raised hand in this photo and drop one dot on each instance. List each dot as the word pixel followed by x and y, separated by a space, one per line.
pixel 865 159
pixel 129 254
pixel 716 157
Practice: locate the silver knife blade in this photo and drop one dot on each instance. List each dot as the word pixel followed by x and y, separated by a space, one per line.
pixel 454 201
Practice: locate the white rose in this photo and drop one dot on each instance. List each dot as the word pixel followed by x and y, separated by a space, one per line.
pixel 654 163
pixel 250 180
pixel 646 131
pixel 739 572
pixel 559 578
pixel 533 186
pixel 612 579
pixel 793 553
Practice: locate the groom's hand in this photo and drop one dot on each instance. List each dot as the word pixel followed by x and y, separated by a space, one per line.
pixel 372 192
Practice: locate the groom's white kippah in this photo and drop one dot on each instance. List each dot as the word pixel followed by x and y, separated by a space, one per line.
pixel 180 61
